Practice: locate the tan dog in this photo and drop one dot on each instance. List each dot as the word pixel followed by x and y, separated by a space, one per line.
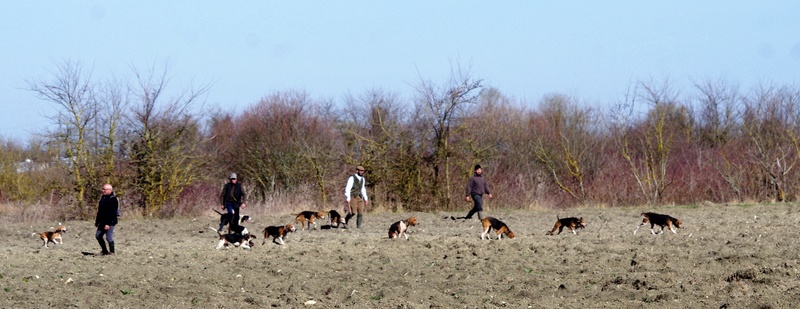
pixel 277 233
pixel 52 236
pixel 660 220
pixel 306 218
pixel 572 223
pixel 500 228
pixel 398 229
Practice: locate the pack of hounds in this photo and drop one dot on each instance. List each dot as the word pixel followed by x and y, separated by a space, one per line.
pixel 239 236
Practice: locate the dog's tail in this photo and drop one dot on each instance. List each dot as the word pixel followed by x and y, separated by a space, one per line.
pixel 217 211
pixel 34 234
pixel 215 230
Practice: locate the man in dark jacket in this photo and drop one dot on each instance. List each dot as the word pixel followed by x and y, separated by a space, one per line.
pixel 476 188
pixel 107 216
pixel 232 198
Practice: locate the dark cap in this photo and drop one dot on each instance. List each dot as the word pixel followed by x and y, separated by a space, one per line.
pixel 477 166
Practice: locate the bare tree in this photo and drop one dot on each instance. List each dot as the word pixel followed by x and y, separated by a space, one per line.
pixel 565 144
pixel 372 132
pixel 443 108
pixel 73 93
pixel 166 138
pixel 768 123
pixel 647 148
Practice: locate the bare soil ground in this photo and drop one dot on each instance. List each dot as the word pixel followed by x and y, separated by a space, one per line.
pixel 725 256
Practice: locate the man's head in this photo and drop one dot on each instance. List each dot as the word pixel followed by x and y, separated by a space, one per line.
pixel 232 177
pixel 478 169
pixel 107 189
pixel 360 170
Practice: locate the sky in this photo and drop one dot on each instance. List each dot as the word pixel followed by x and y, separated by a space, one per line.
pixel 246 50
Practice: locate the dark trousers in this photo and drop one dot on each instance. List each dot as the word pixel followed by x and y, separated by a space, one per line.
pixel 233 208
pixel 477 207
pixel 109 236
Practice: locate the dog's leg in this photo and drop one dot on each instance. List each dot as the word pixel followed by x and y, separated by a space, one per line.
pixel 637 228
pixel 671 227
pixel 220 244
pixel 573 230
pixel 483 235
pixel 281 240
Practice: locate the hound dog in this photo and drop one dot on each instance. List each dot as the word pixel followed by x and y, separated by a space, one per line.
pixel 306 218
pixel 336 218
pixel 572 223
pixel 399 228
pixel 52 236
pixel 234 240
pixel 277 233
pixel 660 220
pixel 500 228
pixel 227 218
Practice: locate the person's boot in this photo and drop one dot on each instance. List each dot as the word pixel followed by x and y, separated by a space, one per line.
pixel 358 220
pixel 111 247
pixel 480 217
pixel 347 218
pixel 102 246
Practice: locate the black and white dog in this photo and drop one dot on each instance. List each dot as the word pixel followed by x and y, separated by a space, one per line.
pixel 236 228
pixel 244 241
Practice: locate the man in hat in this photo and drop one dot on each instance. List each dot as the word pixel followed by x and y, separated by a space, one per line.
pixel 476 188
pixel 232 197
pixel 356 189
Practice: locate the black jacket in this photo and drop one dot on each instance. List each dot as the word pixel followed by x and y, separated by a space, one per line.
pixel 107 210
pixel 232 193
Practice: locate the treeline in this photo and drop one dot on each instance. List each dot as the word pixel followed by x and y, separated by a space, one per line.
pixel 166 157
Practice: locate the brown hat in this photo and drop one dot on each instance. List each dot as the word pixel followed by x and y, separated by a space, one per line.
pixel 360 168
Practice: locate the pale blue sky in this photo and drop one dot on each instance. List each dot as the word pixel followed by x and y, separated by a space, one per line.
pixel 248 49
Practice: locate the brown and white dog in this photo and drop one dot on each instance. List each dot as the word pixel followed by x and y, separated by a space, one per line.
pixel 500 228
pixel 572 223
pixel 336 218
pixel 234 240
pixel 277 233
pixel 660 220
pixel 52 236
pixel 399 228
pixel 306 218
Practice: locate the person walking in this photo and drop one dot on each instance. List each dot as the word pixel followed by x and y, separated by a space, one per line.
pixel 232 198
pixel 476 188
pixel 107 218
pixel 355 193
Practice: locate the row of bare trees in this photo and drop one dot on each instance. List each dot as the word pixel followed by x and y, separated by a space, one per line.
pixel 654 146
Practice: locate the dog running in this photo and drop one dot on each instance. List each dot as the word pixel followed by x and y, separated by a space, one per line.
pixel 277 233
pixel 660 220
pixel 52 236
pixel 307 218
pixel 572 223
pixel 399 228
pixel 234 240
pixel 498 226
